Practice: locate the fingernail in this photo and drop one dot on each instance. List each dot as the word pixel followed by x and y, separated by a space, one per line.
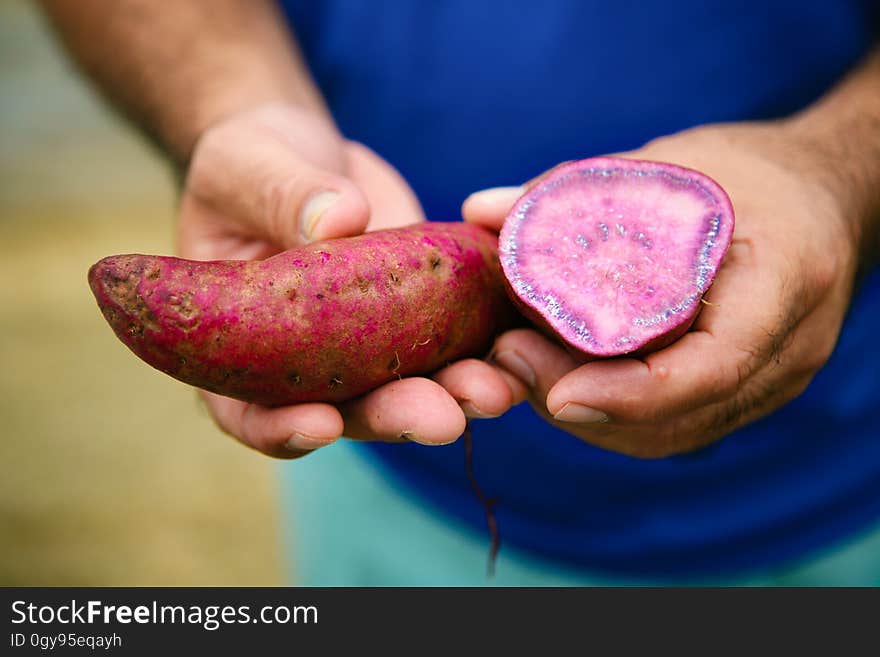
pixel 472 411
pixel 412 436
pixel 514 363
pixel 409 435
pixel 314 208
pixel 300 443
pixel 498 195
pixel 580 414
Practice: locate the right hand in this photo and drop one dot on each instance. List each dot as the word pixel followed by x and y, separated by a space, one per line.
pixel 277 177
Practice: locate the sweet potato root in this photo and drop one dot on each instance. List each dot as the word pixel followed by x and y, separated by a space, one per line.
pixel 325 322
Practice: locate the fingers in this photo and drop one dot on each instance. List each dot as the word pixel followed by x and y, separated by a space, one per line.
pixel 264 181
pixel 414 409
pixel 285 432
pixel 695 430
pixel 695 371
pixel 732 342
pixel 480 389
pixel 533 360
pixel 489 207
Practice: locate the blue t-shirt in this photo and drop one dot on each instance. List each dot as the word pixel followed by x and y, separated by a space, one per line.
pixel 461 95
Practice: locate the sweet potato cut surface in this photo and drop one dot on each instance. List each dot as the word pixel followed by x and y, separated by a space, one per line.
pixel 614 255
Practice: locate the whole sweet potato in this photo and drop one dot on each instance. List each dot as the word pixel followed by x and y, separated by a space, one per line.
pixel 324 322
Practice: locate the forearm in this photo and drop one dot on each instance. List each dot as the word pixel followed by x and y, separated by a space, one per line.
pixel 178 67
pixel 841 135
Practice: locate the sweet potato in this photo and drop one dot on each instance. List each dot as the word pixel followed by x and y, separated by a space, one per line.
pixel 613 256
pixel 325 322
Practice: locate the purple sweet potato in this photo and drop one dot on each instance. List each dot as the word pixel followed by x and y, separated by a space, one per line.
pixel 325 322
pixel 613 256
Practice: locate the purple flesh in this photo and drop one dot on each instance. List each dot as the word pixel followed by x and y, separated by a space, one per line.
pixel 615 255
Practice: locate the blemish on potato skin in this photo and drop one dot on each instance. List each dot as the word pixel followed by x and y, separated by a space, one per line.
pixel 235 373
pixel 187 313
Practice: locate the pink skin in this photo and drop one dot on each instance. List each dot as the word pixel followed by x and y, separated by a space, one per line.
pixel 322 323
pixel 613 256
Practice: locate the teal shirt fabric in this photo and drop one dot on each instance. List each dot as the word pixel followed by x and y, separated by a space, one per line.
pixel 462 95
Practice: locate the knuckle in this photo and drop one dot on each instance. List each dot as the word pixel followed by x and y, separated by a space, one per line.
pixel 248 436
pixel 470 365
pixel 723 381
pixel 512 338
pixel 254 432
pixel 278 203
pixel 732 373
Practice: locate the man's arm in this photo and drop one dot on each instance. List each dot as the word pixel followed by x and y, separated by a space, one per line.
pixel 178 67
pixel 840 138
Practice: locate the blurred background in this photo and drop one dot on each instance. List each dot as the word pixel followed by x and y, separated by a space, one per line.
pixel 112 474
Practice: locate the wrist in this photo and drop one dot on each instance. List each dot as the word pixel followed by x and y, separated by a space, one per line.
pixel 845 173
pixel 838 141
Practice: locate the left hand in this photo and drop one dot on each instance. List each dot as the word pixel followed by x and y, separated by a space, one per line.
pixel 776 310
pixel 253 189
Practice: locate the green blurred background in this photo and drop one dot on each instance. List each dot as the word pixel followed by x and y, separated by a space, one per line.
pixel 112 473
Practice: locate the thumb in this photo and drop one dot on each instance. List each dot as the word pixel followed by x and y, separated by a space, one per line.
pixel 260 180
pixel 489 207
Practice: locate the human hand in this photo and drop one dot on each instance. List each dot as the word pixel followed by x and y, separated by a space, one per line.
pixel 277 177
pixel 775 310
